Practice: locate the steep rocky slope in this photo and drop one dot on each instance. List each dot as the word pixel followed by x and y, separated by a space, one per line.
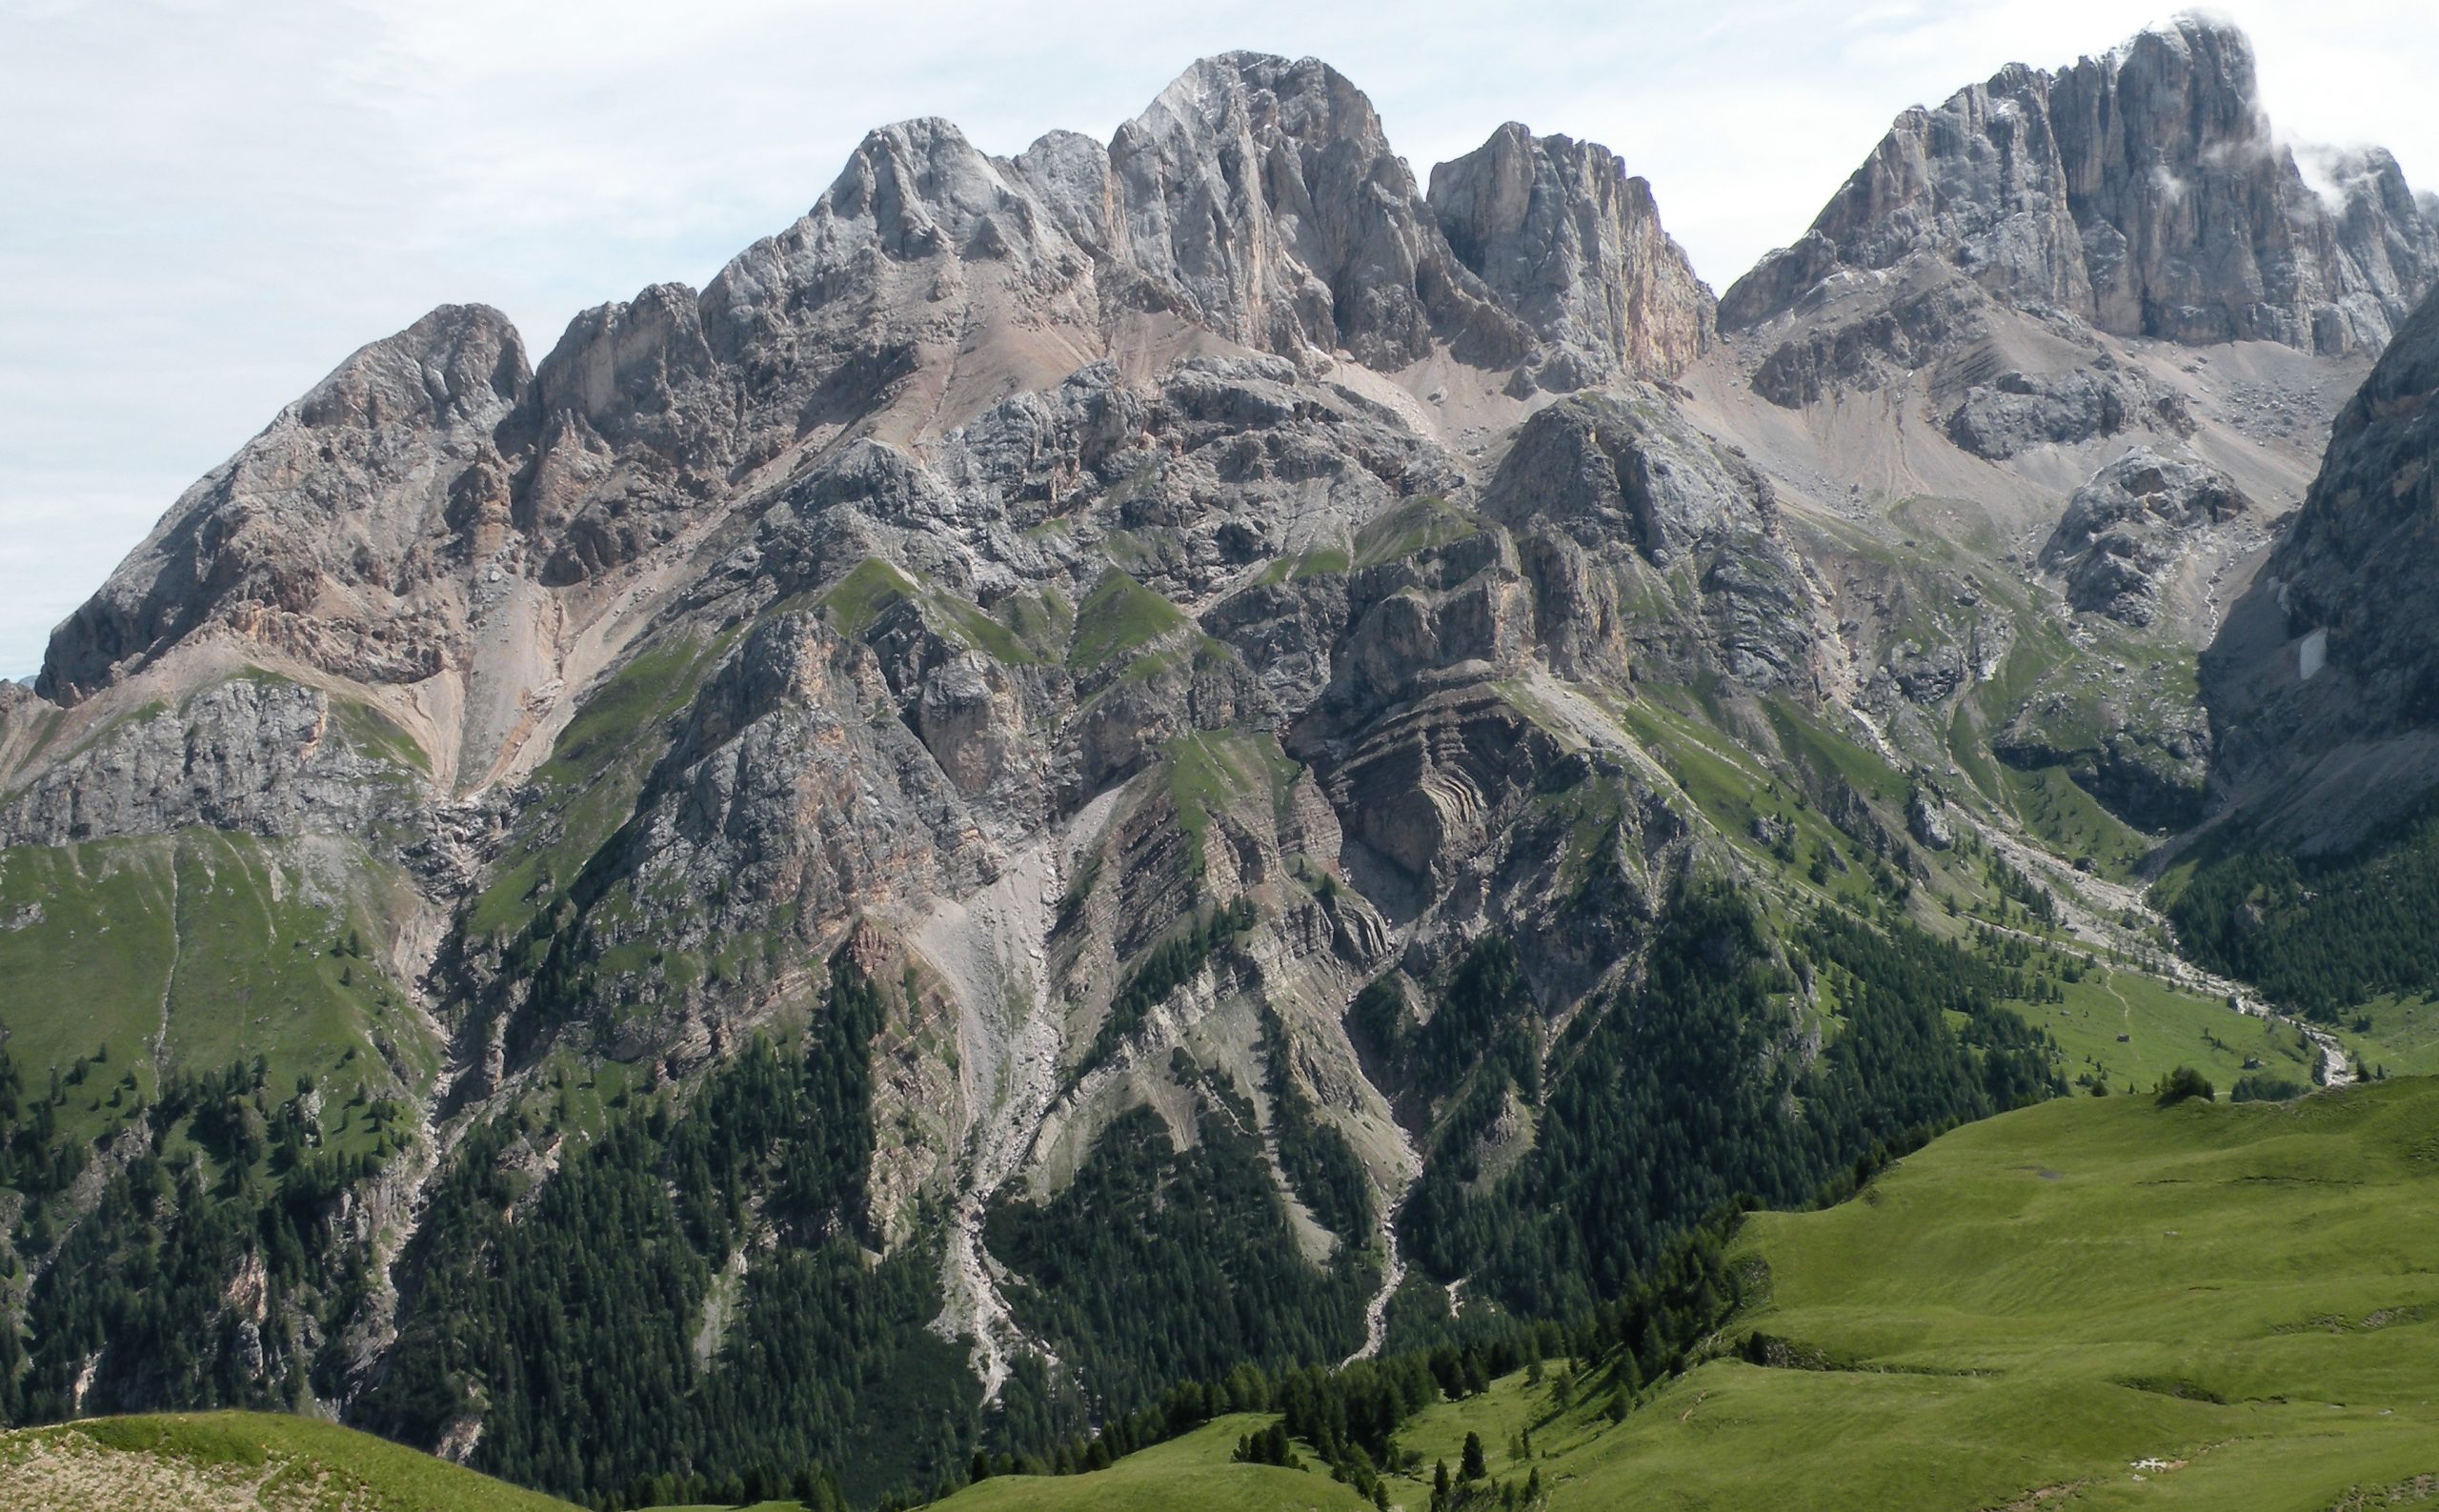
pixel 2322 685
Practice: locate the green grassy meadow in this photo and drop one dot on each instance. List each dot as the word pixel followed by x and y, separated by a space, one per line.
pixel 207 948
pixel 1187 1474
pixel 2029 1309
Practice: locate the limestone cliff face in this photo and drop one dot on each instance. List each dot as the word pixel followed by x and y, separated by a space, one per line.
pixel 253 756
pixel 1977 182
pixel 626 432
pixel 2143 191
pixel 1574 246
pixel 1657 506
pixel 1262 194
pixel 1256 199
pixel 781 805
pixel 2198 224
pixel 1015 560
pixel 317 535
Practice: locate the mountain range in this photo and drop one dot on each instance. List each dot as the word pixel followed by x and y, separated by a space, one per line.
pixel 1099 768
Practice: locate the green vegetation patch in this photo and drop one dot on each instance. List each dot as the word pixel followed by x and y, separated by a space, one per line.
pixel 210 945
pixel 1043 622
pixel 1324 561
pixel 2131 1030
pixel 588 785
pixel 858 598
pixel 1118 617
pixel 601 1280
pixel 1415 524
pixel 1212 771
pixel 2092 1302
pixel 376 734
pixel 2071 822
pixel 1199 1243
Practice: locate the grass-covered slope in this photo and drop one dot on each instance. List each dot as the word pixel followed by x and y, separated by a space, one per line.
pixel 2092 1302
pixel 236 1462
pixel 2047 1300
pixel 1191 1473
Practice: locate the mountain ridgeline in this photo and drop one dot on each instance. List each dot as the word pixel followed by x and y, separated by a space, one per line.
pixel 1101 780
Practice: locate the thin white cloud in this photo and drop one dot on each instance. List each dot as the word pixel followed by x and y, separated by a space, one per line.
pixel 205 204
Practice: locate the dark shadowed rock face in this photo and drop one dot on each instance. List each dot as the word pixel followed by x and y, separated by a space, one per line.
pixel 1574 247
pixel 2338 641
pixel 2143 191
pixel 2125 530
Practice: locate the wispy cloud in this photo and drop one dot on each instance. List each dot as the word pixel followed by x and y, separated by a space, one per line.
pixel 208 203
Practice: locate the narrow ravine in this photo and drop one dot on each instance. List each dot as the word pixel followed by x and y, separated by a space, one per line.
pixel 993 947
pixel 1393 1272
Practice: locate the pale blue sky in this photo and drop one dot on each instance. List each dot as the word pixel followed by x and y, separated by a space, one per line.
pixel 206 204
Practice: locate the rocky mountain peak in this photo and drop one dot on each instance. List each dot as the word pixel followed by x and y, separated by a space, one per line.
pixel 614 357
pixel 922 188
pixel 914 193
pixel 1257 198
pixel 301 539
pixel 1976 182
pixel 2143 191
pixel 457 362
pixel 1264 194
pixel 1558 230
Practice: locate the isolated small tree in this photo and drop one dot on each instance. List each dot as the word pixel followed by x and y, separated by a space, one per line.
pixel 1473 1467
pixel 2184 1083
